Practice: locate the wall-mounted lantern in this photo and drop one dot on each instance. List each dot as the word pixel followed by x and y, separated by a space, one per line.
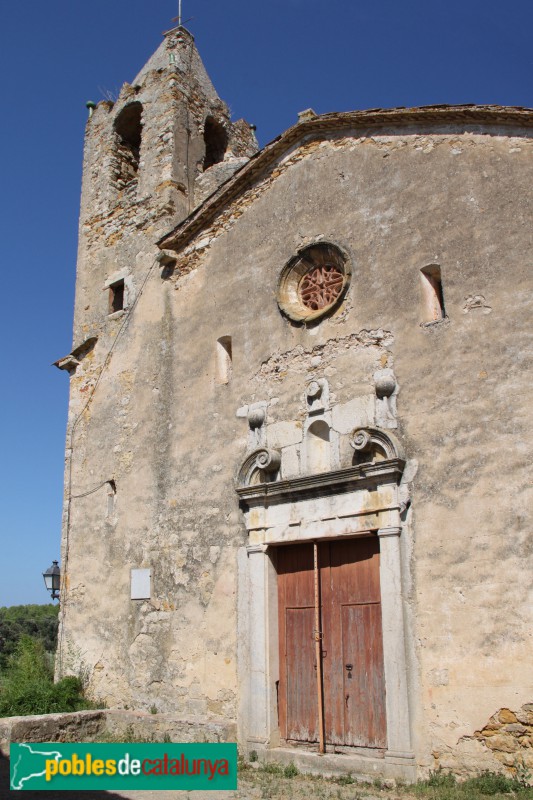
pixel 52 579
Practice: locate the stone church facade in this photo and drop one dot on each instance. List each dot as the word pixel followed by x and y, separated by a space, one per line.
pixel 297 495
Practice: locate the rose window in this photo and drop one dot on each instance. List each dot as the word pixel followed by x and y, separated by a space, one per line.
pixel 314 282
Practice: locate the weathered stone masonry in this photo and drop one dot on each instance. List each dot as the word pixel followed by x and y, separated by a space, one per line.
pixel 220 416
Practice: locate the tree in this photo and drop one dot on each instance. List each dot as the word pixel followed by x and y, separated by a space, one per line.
pixel 39 622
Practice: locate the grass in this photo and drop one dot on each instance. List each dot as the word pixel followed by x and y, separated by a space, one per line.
pixel 444 785
pixel 128 735
pixel 277 782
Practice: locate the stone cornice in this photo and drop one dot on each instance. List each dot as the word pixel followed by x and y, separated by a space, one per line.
pixel 339 481
pixel 316 127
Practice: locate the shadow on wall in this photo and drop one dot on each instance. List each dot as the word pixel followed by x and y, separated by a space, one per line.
pixel 7 794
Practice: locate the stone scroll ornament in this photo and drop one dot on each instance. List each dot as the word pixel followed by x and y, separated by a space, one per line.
pixel 366 440
pixel 361 440
pixel 262 459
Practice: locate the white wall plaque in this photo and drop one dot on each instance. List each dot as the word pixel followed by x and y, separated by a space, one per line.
pixel 140 584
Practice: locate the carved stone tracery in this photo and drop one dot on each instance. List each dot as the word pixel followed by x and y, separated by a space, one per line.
pixel 321 286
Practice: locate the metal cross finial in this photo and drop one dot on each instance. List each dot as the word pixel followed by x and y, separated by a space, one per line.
pixel 178 18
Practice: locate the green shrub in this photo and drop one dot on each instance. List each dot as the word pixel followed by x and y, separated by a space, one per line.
pixel 27 685
pixel 444 786
pixel 440 778
pixel 291 770
pixel 489 783
pixel 271 768
pixel 523 774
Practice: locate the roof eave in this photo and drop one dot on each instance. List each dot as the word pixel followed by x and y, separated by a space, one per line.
pixel 493 114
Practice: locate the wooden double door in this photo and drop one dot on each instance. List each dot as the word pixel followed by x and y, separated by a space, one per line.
pixel 353 684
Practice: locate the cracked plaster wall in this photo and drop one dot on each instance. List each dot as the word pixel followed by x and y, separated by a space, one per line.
pixel 170 437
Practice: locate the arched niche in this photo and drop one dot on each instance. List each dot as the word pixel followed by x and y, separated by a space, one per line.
pixel 318 447
pixel 432 294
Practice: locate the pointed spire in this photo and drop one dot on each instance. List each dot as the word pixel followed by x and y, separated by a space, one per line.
pixel 178 52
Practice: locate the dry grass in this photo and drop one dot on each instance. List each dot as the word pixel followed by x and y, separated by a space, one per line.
pixel 275 782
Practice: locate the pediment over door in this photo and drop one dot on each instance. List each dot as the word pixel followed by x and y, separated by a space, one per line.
pixel 343 502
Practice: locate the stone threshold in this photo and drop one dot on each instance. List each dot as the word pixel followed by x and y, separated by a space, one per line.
pixel 397 766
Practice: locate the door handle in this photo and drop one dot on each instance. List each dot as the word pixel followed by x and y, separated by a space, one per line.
pixel 349 667
pixel 346 699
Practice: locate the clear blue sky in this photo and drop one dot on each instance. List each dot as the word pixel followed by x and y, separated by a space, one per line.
pixel 268 61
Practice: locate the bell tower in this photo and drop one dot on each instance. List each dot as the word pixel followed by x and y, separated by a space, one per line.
pixel 150 157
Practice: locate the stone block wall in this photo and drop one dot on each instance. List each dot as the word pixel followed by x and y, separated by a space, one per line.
pixel 112 725
pixel 509 736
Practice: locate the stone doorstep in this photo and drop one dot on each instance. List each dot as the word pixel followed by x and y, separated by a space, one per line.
pixel 331 764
